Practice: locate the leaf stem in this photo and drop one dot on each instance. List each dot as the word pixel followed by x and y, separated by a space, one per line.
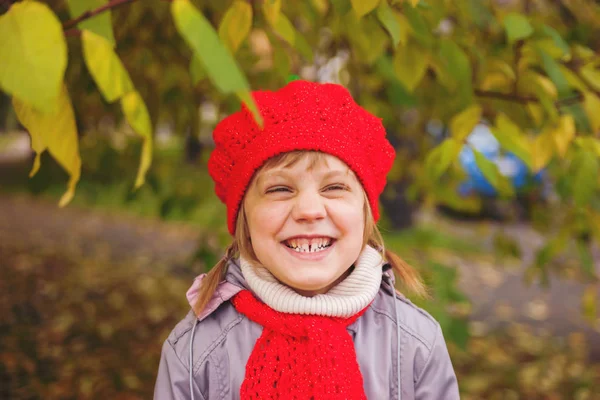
pixel 92 13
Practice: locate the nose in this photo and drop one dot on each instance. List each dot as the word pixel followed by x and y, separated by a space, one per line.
pixel 308 207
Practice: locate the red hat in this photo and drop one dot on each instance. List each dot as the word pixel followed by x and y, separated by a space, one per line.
pixel 300 116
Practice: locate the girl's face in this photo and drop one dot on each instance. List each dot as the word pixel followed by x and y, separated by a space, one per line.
pixel 306 222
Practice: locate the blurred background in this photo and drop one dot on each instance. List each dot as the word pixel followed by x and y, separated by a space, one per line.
pixel 493 107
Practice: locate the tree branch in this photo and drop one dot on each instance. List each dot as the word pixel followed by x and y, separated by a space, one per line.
pixel 505 96
pixel 92 13
pixel 73 32
pixel 527 99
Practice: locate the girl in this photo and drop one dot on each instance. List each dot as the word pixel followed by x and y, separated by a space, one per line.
pixel 303 304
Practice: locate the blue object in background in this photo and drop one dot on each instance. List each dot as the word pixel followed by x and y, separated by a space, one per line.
pixel 509 165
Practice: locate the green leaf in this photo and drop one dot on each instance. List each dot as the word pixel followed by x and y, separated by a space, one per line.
pixel 410 64
pixel 363 7
pixel 586 177
pixel 389 20
pixel 462 124
pixel 456 61
pixel 218 63
pixel 421 30
pixel 281 62
pixel 105 67
pixel 555 74
pixel 100 24
pixel 56 133
pixel 236 24
pixel 33 55
pixel 558 40
pixel 439 159
pixel 492 175
pixel 517 27
pixel 586 257
pixel 284 28
pixel 511 138
pixel 303 47
pixel 135 111
pixel 197 71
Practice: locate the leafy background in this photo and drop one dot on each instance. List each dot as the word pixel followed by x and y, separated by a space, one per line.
pixel 120 108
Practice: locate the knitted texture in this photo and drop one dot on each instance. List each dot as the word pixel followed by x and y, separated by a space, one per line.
pixel 300 116
pixel 299 357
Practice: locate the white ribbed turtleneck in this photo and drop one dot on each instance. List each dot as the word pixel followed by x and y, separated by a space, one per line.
pixel 343 300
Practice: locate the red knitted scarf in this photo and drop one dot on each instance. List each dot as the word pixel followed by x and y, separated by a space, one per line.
pixel 299 356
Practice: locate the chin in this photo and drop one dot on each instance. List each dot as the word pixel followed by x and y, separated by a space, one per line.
pixel 315 286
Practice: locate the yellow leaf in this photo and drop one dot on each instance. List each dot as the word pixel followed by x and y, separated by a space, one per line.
pixel 284 28
pixel 414 3
pixel 235 25
pixel 33 54
pixel 512 139
pixel 404 27
pixel 541 87
pixel 589 303
pixel 542 150
pixel 495 80
pixel 321 6
pixel 589 143
pixel 536 112
pixel 572 79
pixel 136 113
pixel 591 106
pixel 410 64
pixel 105 67
pixel 563 134
pixel 56 133
pixel 363 7
pixel 272 9
pixel 591 75
pixel 463 123
pixel 500 66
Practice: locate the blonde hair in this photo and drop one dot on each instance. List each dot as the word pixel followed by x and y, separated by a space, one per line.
pixel 409 277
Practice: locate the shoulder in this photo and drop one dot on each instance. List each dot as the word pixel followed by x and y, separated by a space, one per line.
pixel 412 320
pixel 207 333
pixel 204 347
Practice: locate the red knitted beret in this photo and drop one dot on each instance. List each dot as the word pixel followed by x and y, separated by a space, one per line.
pixel 300 116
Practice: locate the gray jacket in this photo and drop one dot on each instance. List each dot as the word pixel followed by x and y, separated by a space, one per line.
pixel 397 344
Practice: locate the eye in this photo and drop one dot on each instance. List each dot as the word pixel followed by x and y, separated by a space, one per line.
pixel 336 186
pixel 276 189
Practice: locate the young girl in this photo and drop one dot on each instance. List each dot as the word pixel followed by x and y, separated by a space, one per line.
pixel 303 304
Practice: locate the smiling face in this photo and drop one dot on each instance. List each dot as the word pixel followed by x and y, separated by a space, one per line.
pixel 306 221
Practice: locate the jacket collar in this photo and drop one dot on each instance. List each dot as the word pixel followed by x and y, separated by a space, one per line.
pixel 234 282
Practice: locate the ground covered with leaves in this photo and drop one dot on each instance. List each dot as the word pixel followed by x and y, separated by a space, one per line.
pixel 88 298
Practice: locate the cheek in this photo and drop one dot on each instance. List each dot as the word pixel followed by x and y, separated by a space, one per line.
pixel 348 214
pixel 267 219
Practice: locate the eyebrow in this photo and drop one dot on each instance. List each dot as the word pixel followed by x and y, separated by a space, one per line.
pixel 284 174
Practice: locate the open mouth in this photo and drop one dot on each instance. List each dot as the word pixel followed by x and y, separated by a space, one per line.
pixel 312 245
